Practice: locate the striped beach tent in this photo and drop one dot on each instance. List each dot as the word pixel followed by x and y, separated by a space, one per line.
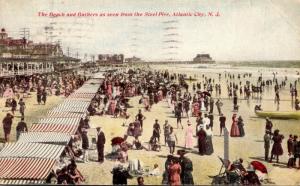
pixel 21 182
pixel 65 121
pixel 93 81
pixel 74 104
pixel 70 109
pixel 82 95
pixel 87 89
pixel 25 168
pixel 69 129
pixel 52 114
pixel 45 137
pixel 31 150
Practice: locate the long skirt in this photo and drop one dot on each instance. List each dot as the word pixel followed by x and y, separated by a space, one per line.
pixel 209 145
pixel 277 149
pixel 234 132
pixel 189 141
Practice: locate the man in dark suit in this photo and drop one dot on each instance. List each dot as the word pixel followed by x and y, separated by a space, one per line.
pixel 100 144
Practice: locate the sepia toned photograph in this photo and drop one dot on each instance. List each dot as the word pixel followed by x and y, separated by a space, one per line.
pixel 150 92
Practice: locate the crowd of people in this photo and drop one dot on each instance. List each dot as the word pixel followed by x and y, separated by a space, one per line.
pixel 153 87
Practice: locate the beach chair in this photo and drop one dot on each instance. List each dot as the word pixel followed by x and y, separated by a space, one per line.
pixel 223 166
pixel 221 178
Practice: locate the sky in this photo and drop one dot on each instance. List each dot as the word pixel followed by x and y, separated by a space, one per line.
pixel 246 30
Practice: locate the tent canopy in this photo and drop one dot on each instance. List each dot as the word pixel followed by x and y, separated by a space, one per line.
pixel 31 150
pixel 45 137
pixel 25 168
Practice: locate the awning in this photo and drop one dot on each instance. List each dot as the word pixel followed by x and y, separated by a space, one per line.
pixel 25 168
pixel 61 128
pixel 31 150
pixel 88 88
pixel 82 95
pixel 93 81
pixel 75 104
pixel 44 137
pixel 21 182
pixel 69 109
pixel 65 121
pixel 52 114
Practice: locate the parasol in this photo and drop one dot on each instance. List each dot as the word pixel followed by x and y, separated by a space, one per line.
pixel 259 166
pixel 117 141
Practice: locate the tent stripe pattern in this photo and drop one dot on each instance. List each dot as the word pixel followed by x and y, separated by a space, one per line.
pixel 61 128
pixel 31 150
pixel 25 168
pixel 52 114
pixel 65 121
pixel 44 137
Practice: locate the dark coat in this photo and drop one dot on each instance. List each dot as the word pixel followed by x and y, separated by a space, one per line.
pixel 100 140
pixel 186 171
pixel 85 141
pixel 277 148
pixel 44 96
pixel 7 122
pixel 241 128
pixel 120 176
pixel 201 141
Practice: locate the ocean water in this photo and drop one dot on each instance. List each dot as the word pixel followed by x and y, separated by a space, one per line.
pixel 267 72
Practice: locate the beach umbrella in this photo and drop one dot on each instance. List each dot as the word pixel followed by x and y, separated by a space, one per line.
pixel 117 141
pixel 259 166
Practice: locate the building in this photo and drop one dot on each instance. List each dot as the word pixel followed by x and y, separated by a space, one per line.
pixel 108 59
pixel 23 57
pixel 203 58
pixel 133 60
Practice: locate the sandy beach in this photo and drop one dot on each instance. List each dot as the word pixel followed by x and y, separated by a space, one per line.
pixel 33 111
pixel 250 147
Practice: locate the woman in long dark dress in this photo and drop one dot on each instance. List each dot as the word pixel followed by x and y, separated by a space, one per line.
pixel 209 145
pixel 277 148
pixel 201 141
pixel 241 126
